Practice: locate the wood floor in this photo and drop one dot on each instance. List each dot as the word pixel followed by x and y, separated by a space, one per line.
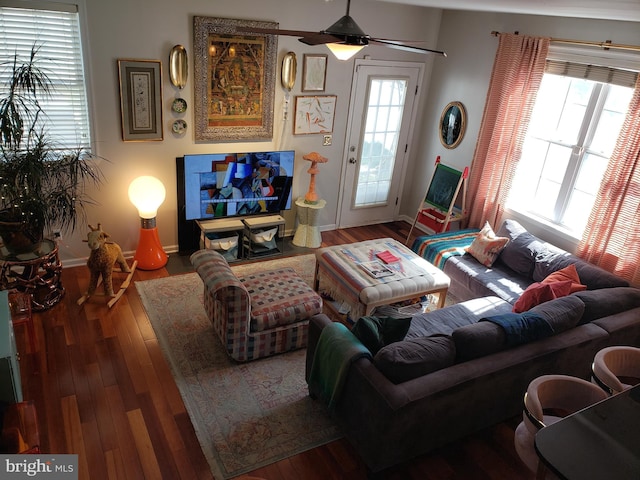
pixel 103 390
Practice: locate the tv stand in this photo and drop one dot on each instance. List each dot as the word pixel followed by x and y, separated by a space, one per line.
pixel 218 234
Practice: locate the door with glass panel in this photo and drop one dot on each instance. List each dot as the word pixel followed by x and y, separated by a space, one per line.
pixel 384 98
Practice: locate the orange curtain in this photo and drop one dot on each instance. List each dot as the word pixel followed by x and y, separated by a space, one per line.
pixel 517 72
pixel 612 236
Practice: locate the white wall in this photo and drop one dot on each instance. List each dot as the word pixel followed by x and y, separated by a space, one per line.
pixel 465 75
pixel 148 29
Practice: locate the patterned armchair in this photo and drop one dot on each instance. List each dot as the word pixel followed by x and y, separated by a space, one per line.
pixel 257 316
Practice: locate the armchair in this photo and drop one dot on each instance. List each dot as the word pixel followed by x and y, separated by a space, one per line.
pixel 257 316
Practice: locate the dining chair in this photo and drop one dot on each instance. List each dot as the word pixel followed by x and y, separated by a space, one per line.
pixel 616 368
pixel 548 399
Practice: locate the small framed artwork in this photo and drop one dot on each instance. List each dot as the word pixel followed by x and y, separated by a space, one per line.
pixel 141 99
pixel 314 72
pixel 314 114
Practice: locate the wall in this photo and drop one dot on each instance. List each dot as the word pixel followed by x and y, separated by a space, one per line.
pixel 147 29
pixel 465 75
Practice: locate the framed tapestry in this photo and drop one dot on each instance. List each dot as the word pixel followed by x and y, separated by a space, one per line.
pixel 314 114
pixel 234 74
pixel 140 99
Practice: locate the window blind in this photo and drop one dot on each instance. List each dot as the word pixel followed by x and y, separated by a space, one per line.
pixel 596 73
pixel 57 36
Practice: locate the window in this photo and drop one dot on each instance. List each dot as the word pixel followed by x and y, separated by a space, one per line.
pixel 56 32
pixel 570 138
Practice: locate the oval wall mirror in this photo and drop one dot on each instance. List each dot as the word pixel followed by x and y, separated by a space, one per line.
pixel 178 67
pixel 453 123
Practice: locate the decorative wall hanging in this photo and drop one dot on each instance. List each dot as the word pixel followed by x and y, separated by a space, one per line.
pixel 453 123
pixel 140 99
pixel 234 79
pixel 314 72
pixel 178 66
pixel 288 71
pixel 314 114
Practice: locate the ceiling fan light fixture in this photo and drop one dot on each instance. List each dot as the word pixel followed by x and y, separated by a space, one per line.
pixel 343 51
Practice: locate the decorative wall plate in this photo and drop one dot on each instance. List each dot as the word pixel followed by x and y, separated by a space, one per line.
pixel 179 126
pixel 179 105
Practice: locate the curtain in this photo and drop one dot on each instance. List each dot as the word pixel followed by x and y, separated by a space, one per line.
pixel 517 72
pixel 612 236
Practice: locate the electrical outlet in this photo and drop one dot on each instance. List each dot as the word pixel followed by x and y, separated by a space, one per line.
pixel 326 140
pixel 57 235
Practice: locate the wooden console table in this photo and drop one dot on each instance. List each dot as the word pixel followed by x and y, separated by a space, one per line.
pixel 36 273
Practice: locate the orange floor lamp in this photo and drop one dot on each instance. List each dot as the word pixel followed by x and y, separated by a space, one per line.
pixel 147 194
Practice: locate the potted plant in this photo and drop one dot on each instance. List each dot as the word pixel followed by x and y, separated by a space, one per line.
pixel 42 187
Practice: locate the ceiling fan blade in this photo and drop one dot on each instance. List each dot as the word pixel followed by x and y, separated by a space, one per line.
pixel 408 48
pixel 309 38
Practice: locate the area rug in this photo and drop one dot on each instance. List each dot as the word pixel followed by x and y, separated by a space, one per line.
pixel 245 415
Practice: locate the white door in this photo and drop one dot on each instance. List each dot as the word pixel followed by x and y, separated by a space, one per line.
pixel 383 106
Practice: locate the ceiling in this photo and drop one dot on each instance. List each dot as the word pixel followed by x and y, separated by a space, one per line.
pixel 625 10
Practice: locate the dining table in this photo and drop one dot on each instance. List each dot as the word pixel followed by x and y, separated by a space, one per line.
pixel 600 442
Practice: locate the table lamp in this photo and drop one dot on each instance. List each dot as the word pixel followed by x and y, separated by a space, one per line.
pixel 147 194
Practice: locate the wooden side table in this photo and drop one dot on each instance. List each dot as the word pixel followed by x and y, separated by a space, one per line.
pixel 36 273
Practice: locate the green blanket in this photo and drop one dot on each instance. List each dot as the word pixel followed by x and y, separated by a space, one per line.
pixel 337 348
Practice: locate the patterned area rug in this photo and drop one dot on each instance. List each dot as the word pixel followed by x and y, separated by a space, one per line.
pixel 245 415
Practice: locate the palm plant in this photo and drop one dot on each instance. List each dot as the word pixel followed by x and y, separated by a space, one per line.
pixel 41 187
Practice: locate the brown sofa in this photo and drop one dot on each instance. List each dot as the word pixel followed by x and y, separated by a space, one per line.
pixel 454 374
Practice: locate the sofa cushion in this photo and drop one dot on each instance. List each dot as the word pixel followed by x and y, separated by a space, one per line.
pixel 607 301
pixel 478 340
pixel 487 246
pixel 413 358
pixel 562 313
pixel 520 252
pixel 538 293
pixel 551 259
pixel 376 332
pixel 567 273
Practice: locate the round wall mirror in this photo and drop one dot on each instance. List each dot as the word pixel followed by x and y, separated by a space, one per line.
pixel 453 122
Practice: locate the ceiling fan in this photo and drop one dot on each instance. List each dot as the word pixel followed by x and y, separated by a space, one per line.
pixel 344 38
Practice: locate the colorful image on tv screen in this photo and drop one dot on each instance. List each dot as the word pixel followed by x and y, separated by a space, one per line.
pixel 237 184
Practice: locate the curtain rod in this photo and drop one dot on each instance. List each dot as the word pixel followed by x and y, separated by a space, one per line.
pixel 606 45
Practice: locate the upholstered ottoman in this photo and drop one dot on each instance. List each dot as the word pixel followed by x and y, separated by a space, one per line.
pixel 259 315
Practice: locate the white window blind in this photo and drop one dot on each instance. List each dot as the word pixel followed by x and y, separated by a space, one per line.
pixel 56 33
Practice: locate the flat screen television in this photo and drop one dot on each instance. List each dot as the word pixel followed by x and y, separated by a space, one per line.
pixel 237 184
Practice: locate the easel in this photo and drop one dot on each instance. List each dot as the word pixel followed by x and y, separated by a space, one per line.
pixel 433 211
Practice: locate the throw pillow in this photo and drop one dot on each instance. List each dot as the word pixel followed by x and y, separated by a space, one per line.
pixel 567 273
pixel 538 293
pixel 520 328
pixel 413 358
pixel 377 332
pixel 487 246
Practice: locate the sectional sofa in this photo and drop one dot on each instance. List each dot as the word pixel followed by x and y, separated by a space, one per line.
pixel 461 368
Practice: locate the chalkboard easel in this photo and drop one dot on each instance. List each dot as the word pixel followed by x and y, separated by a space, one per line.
pixel 440 198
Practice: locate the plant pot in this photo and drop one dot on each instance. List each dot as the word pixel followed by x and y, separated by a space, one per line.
pixel 19 237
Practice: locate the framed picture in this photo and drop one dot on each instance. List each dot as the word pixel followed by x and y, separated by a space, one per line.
pixel 314 114
pixel 234 72
pixel 140 99
pixel 314 72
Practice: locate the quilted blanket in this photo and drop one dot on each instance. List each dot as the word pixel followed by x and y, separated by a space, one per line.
pixel 439 247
